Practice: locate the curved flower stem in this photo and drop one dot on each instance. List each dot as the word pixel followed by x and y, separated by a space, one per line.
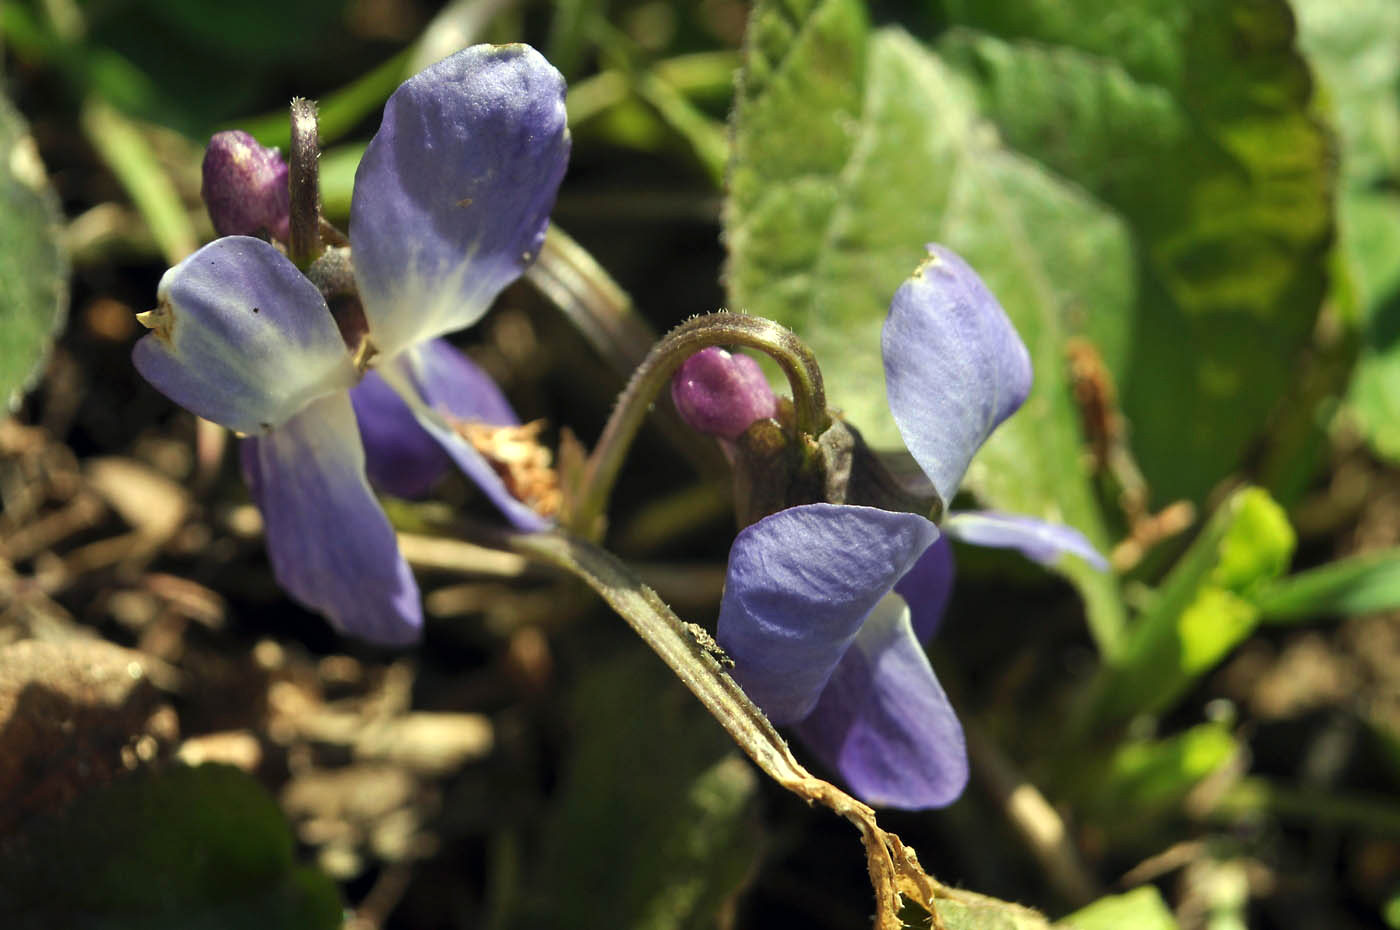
pixel 651 377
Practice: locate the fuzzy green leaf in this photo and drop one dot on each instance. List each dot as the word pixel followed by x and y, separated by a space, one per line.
pixel 33 264
pixel 1192 123
pixel 1352 44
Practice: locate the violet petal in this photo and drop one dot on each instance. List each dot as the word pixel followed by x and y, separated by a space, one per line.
pixel 330 544
pixel 927 588
pixel 799 584
pixel 450 381
pixel 884 722
pixel 241 337
pixel 472 463
pixel 400 457
pixel 453 194
pixel 954 366
pixel 1035 539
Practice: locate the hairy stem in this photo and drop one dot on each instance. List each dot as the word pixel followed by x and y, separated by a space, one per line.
pixel 304 176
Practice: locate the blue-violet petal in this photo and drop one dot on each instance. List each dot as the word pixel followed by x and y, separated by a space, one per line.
pixel 453 194
pixel 800 583
pixel 400 457
pixel 927 588
pixel 330 544
pixel 1035 539
pixel 884 722
pixel 242 338
pixel 403 379
pixel 954 366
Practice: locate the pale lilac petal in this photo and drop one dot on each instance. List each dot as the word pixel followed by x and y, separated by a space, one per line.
pixel 884 722
pixel 472 463
pixel 400 457
pixel 452 382
pixel 1035 539
pixel 242 338
pixel 453 194
pixel 927 588
pixel 954 366
pixel 799 584
pixel 330 544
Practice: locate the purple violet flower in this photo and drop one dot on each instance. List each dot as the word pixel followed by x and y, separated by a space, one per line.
pixel 827 607
pixel 451 202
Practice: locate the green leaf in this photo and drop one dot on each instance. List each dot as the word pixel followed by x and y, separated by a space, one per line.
pixel 33 263
pixel 1142 781
pixel 1352 45
pixel 851 151
pixel 201 847
pixel 1191 122
pixel 1356 585
pixel 1141 909
pixel 654 828
pixel 1206 606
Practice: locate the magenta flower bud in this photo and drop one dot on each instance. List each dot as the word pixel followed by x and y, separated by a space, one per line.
pixel 721 394
pixel 245 186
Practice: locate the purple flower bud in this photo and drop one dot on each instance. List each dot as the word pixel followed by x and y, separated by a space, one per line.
pixel 245 186
pixel 721 394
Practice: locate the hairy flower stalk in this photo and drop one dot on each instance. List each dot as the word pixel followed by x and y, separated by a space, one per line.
pixel 451 201
pixel 304 245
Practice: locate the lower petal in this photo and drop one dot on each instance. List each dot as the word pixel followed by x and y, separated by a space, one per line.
pixel 1035 539
pixel 885 724
pixel 799 585
pixel 401 458
pixel 927 588
pixel 472 463
pixel 330 544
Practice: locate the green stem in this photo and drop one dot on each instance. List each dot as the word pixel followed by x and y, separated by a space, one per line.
pixel 654 373
pixel 125 149
pixel 702 74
